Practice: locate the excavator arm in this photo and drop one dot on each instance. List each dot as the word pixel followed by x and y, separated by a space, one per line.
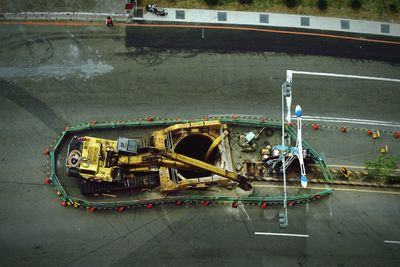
pixel 243 181
pixel 171 159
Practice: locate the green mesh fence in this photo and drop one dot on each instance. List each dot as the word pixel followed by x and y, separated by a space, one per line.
pixel 68 200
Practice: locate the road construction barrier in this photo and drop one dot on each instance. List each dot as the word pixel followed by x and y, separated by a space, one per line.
pixel 317 197
pixel 121 205
pixel 47 180
pixel 376 134
pixel 346 173
pixel 205 203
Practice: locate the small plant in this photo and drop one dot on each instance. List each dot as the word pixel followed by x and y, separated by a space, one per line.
pixel 291 3
pixel 355 4
pixel 381 166
pixel 246 2
pixel 212 2
pixel 380 7
pixel 322 4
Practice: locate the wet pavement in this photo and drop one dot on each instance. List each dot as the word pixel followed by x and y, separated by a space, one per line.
pixel 260 40
pixel 120 83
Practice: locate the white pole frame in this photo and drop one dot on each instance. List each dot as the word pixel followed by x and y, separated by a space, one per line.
pixel 289 80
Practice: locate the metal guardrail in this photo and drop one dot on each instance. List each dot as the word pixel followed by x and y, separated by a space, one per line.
pixel 68 200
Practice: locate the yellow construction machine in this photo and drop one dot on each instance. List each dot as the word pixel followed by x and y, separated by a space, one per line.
pixel 181 156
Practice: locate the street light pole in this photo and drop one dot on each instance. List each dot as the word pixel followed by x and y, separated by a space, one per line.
pixel 283 219
pixel 289 77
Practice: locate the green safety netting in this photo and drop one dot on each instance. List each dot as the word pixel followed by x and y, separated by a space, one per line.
pixel 232 120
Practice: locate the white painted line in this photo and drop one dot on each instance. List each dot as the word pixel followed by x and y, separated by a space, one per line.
pixel 280 234
pixel 350 121
pixel 392 242
pixel 244 210
pixel 345 76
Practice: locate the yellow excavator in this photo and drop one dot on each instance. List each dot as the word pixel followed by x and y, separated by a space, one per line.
pixel 181 156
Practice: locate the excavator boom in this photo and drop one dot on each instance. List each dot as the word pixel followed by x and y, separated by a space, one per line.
pixel 171 159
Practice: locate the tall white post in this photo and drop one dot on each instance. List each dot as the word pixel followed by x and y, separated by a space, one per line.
pixel 284 93
pixel 289 78
pixel 299 144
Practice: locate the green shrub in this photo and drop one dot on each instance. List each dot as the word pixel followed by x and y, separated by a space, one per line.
pixel 355 4
pixel 392 7
pixel 246 2
pixel 212 2
pixel 380 8
pixel 322 4
pixel 381 166
pixel 291 3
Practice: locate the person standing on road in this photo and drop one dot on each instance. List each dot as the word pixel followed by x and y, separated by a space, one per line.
pixel 109 21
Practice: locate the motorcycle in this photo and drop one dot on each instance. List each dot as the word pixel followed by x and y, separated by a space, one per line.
pixel 156 10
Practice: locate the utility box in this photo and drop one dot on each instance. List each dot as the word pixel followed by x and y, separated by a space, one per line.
pixel 250 136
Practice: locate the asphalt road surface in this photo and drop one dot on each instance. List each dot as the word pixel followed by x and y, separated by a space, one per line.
pixel 55 76
pixel 224 38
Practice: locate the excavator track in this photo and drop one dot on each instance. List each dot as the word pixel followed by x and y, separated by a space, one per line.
pixel 148 181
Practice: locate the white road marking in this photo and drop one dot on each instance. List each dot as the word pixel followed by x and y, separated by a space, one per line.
pixel 392 242
pixel 280 234
pixel 350 121
pixel 290 72
pixel 244 210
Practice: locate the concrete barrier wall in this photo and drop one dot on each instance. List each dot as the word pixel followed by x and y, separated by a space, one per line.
pixel 226 17
pixel 276 20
